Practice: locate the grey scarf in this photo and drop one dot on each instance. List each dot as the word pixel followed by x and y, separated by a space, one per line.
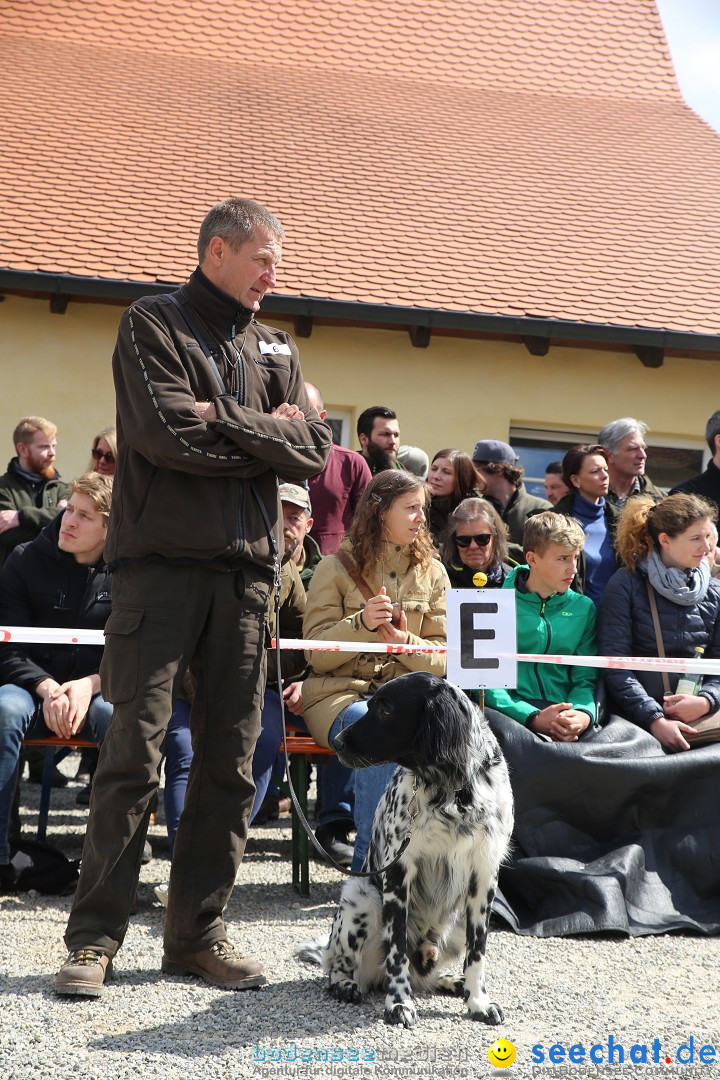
pixel 683 587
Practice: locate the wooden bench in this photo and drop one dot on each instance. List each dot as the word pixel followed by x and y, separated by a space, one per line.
pixel 55 750
pixel 302 751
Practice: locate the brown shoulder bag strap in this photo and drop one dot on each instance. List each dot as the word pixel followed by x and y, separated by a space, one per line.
pixel 658 635
pixel 354 574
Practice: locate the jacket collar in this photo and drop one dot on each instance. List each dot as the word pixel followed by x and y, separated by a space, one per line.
pixel 35 480
pixel 217 310
pixel 517 579
pixel 390 557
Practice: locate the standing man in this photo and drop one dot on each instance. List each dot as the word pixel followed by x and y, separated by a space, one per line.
pixel 210 408
pixel 31 491
pixel 624 441
pixel 336 491
pixel 379 436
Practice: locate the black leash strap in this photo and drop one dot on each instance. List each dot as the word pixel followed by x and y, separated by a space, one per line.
pixel 192 326
pixel 326 856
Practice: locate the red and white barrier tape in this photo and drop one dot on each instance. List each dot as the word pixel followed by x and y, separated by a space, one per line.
pixel 63 636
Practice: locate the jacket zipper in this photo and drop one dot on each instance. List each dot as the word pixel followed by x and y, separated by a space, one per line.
pixel 240 401
pixel 548 630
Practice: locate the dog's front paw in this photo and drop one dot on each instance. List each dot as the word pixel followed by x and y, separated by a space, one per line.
pixel 487 1012
pixel 346 990
pixel 403 1012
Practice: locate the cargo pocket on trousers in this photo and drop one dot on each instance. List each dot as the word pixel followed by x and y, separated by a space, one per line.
pixel 120 662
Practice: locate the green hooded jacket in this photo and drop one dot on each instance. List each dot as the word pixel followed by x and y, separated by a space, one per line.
pixel 564 623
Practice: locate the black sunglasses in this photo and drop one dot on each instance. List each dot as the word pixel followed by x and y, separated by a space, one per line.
pixel 100 454
pixel 481 539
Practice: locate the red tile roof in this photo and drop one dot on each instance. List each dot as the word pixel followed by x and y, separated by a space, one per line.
pixel 510 157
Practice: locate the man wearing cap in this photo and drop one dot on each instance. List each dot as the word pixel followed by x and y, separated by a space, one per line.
pixel 297 523
pixel 333 779
pixel 500 479
pixel 304 554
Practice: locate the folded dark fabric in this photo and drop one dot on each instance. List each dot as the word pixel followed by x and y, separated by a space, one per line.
pixel 611 834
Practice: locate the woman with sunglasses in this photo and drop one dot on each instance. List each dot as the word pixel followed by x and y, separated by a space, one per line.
pixel 104 452
pixel 476 539
pixel 451 479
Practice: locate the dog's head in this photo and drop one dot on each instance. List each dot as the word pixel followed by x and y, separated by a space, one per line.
pixel 417 720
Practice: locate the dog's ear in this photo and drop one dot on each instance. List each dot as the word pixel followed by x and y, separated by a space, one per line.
pixel 445 732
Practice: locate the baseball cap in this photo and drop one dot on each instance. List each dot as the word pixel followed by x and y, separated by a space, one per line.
pixel 297 495
pixel 415 460
pixel 494 451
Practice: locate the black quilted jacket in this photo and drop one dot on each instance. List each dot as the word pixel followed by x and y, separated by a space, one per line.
pixel 625 628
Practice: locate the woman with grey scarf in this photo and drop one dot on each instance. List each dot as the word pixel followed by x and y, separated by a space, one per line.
pixel 663 548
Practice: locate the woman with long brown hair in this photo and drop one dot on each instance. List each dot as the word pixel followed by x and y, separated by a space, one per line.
pixel 383 585
pixel 664 549
pixel 451 478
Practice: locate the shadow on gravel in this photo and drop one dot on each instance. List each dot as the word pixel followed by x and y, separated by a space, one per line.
pixel 270 1016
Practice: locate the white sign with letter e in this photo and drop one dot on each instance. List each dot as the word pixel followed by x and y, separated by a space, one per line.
pixel 481 639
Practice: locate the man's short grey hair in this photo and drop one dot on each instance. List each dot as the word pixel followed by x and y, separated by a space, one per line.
pixel 613 433
pixel 712 428
pixel 236 221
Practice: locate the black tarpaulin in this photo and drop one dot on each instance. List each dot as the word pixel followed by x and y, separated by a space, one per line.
pixel 611 834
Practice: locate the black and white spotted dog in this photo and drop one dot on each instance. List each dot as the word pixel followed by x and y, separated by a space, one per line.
pixel 407 928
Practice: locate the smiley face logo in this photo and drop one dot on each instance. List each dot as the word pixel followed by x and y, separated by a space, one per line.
pixel 501 1054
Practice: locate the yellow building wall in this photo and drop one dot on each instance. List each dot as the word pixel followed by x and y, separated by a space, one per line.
pixel 449 394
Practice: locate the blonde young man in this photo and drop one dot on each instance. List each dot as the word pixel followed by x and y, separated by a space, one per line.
pixel 554 700
pixel 58 579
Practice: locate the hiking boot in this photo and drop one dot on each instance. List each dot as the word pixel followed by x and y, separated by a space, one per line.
pixel 83 973
pixel 220 965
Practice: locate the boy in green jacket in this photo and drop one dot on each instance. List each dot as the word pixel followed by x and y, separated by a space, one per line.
pixel 551 699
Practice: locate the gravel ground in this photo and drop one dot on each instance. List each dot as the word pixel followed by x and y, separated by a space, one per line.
pixel 581 992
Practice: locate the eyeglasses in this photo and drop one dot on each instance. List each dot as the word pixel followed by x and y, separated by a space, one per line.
pixel 107 455
pixel 481 539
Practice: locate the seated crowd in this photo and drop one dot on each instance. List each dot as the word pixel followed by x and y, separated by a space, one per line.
pixel 607 564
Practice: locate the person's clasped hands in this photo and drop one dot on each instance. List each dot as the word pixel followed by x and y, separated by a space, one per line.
pixel 377 616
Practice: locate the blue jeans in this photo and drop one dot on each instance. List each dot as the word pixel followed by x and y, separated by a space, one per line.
pixel 21 716
pixel 368 785
pixel 178 755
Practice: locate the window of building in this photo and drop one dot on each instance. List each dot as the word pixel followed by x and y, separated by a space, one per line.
pixel 340 425
pixel 669 460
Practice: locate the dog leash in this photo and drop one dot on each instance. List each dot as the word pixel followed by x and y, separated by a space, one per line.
pixel 326 856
